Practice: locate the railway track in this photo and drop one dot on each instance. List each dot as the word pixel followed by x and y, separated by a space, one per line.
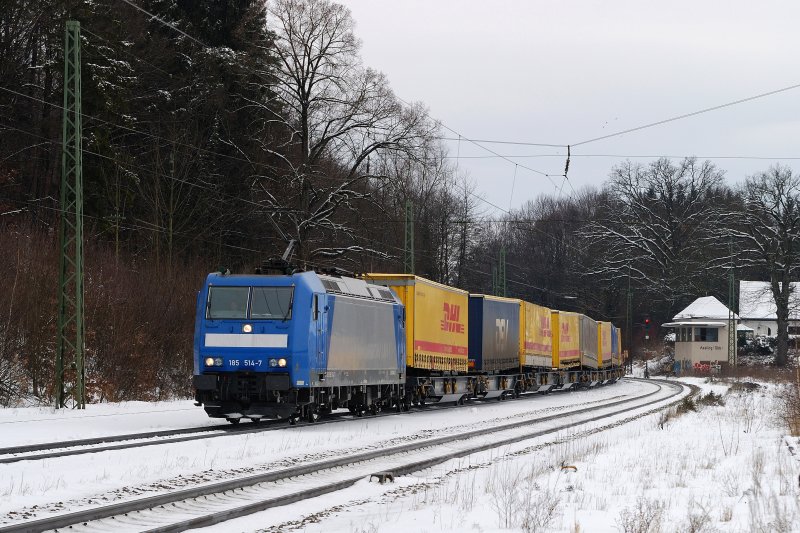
pixel 51 450
pixel 221 501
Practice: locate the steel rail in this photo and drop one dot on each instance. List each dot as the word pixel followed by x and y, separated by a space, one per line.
pixel 15 454
pixel 408 468
pixel 156 501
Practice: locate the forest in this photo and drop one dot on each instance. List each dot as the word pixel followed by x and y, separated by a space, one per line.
pixel 215 129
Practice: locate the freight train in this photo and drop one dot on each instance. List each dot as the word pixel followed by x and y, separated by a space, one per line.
pixel 301 345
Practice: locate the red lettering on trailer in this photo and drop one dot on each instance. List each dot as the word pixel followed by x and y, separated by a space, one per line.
pixel 450 322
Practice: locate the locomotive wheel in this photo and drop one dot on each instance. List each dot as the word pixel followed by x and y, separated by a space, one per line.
pixel 293 418
pixel 234 421
pixel 360 411
pixel 406 404
pixel 373 409
pixel 312 415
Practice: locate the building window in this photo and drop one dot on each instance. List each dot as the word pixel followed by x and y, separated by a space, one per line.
pixel 794 330
pixel 685 334
pixel 706 335
pixel 769 332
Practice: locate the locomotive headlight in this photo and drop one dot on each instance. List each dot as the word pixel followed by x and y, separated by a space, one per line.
pixel 281 362
pixel 247 328
pixel 273 363
pixel 218 361
pixel 209 361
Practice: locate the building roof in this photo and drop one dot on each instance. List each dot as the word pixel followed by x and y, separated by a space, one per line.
pixel 742 327
pixel 694 323
pixel 756 301
pixel 705 307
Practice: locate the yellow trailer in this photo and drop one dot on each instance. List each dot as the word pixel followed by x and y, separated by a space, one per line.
pixel 436 321
pixel 536 339
pixel 604 345
pixel 566 332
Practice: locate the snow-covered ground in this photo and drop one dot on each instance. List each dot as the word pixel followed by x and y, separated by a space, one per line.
pixel 33 425
pixel 723 468
pixel 75 482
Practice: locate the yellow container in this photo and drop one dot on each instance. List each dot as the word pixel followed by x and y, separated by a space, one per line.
pixel 604 357
pixel 536 338
pixel 566 331
pixel 436 321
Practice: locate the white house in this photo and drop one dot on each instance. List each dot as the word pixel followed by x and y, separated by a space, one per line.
pixel 757 308
pixel 701 333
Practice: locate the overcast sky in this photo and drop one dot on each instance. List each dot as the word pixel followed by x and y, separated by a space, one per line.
pixel 560 72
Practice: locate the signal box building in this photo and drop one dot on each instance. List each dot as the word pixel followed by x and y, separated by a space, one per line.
pixel 701 334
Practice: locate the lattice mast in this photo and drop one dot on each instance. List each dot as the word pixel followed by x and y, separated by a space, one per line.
pixel 732 351
pixel 408 262
pixel 69 365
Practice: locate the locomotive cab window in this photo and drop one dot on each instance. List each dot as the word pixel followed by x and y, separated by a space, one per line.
pixel 227 302
pixel 272 303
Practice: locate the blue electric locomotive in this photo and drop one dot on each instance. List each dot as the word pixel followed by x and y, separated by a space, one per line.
pixel 298 345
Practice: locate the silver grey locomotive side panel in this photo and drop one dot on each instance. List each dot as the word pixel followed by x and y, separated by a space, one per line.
pixel 363 343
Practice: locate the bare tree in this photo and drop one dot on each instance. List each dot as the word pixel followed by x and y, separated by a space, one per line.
pixel 658 225
pixel 338 114
pixel 769 239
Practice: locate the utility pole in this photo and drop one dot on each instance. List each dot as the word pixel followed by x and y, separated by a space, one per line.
pixel 70 374
pixel 629 321
pixel 501 274
pixel 732 349
pixel 408 263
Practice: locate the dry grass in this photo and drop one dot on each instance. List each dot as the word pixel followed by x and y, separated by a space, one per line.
pixel 139 321
pixel 766 373
pixel 790 407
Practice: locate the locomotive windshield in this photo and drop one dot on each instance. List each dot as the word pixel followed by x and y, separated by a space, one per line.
pixel 272 303
pixel 227 302
pixel 266 303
